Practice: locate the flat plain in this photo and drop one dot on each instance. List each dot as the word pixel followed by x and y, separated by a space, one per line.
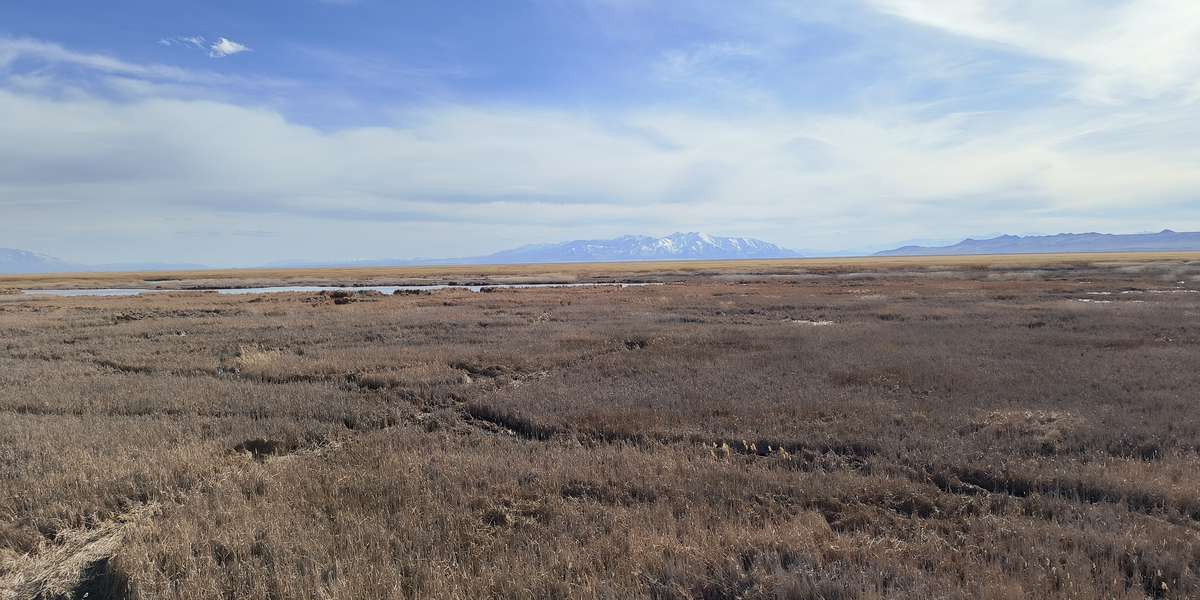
pixel 968 427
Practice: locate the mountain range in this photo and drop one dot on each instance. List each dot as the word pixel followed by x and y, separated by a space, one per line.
pixel 1163 241
pixel 677 246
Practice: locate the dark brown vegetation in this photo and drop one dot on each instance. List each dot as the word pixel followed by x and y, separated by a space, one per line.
pixel 927 430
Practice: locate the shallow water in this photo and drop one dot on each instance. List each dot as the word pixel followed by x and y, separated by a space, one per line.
pixel 386 289
pixel 93 292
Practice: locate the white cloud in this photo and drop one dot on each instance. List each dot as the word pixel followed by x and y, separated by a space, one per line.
pixel 50 54
pixel 487 174
pixel 226 47
pixel 789 177
pixel 1124 49
pixel 13 48
pixel 221 48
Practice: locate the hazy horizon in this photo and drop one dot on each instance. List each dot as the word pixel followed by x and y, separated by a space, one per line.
pixel 234 134
pixel 319 260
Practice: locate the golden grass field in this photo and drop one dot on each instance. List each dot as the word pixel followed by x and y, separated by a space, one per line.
pixel 564 272
pixel 977 427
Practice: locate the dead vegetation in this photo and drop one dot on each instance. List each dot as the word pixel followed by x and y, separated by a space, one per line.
pixel 947 431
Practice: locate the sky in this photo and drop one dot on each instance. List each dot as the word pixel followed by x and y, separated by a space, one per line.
pixel 238 133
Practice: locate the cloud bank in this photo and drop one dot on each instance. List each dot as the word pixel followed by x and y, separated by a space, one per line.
pixel 1105 142
pixel 1122 50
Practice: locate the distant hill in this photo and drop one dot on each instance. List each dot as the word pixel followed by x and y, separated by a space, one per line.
pixel 23 261
pixel 677 246
pixel 1163 241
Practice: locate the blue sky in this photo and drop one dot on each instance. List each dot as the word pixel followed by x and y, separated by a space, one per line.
pixel 236 133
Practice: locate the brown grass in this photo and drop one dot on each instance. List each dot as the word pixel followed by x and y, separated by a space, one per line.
pixel 578 272
pixel 956 430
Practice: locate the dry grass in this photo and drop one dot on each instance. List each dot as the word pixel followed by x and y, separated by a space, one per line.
pixel 962 430
pixel 580 272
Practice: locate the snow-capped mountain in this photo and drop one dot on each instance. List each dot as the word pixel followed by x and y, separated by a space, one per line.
pixel 677 246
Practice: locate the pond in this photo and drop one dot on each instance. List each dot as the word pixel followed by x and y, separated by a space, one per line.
pixel 385 289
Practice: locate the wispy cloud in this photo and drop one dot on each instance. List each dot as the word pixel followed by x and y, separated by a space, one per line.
pixel 26 62
pixel 688 62
pixel 194 41
pixel 720 68
pixel 1134 49
pixel 226 47
pixel 12 49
